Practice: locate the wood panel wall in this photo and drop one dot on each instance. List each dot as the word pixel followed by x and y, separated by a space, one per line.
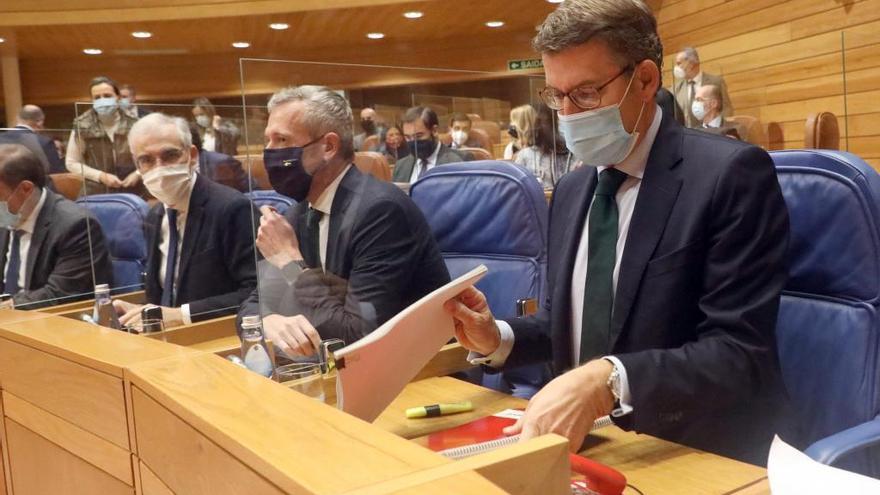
pixel 783 60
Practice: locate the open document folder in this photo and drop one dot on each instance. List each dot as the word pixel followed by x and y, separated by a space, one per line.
pixel 792 472
pixel 375 369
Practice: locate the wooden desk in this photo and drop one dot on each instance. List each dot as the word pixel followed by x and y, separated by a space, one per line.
pixel 653 465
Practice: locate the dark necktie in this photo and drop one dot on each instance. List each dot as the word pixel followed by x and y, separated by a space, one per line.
pixel 423 169
pixel 171 261
pixel 602 250
pixel 311 249
pixel 691 91
pixel 13 266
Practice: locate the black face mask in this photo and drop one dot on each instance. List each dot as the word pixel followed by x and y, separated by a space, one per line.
pixel 286 172
pixel 368 126
pixel 512 131
pixel 422 148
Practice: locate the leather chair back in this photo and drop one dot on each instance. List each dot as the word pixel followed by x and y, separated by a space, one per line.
pixel 828 330
pixel 68 185
pixel 822 132
pixel 257 170
pixel 371 143
pixel 122 217
pixel 481 137
pixel 373 163
pixel 492 129
pixel 752 131
pixel 270 198
pixel 477 153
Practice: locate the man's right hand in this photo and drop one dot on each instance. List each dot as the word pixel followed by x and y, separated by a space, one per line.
pixel 294 335
pixel 475 326
pixel 110 180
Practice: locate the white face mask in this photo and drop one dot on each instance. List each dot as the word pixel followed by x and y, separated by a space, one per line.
pixel 678 72
pixel 459 137
pixel 598 137
pixel 169 183
pixel 203 120
pixel 698 108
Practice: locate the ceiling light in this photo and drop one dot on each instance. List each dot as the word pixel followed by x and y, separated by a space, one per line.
pixel 279 26
pixel 555 1
pixel 494 24
pixel 241 44
pixel 142 34
pixel 2 40
pixel 375 36
pixel 92 51
pixel 413 15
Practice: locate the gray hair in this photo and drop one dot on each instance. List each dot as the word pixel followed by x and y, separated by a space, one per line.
pixel 690 53
pixel 157 120
pixel 628 27
pixel 325 111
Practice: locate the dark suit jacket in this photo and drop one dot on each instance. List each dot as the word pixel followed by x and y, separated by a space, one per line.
pixel 223 169
pixel 217 270
pixel 67 242
pixel 41 146
pixel 698 291
pixel 381 257
pixel 404 167
pixel 681 96
pixel 728 128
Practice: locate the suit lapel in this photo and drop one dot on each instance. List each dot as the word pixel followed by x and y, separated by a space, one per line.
pixel 41 230
pixel 193 229
pixel 657 194
pixel 341 202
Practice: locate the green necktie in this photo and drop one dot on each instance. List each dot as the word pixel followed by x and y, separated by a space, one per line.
pixel 602 250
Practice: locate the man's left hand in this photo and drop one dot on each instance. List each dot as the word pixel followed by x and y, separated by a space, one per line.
pixel 131 180
pixel 171 317
pixel 568 405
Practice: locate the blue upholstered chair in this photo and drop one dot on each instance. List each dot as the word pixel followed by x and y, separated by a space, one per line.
pixel 270 198
pixel 828 320
pixel 492 213
pixel 121 217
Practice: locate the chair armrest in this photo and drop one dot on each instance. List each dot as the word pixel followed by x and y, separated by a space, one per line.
pixel 830 449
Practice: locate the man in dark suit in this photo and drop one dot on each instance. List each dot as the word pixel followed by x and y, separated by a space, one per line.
pixel 420 128
pixel 708 108
pixel 128 102
pixel 26 132
pixel 666 257
pixel 353 252
pixel 219 167
pixel 689 78
pixel 50 245
pixel 200 237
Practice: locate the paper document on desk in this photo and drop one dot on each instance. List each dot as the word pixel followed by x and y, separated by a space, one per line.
pixel 791 472
pixel 374 370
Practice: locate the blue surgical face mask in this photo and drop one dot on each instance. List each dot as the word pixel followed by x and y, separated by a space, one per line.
pixel 105 106
pixel 8 220
pixel 598 137
pixel 125 103
pixel 286 172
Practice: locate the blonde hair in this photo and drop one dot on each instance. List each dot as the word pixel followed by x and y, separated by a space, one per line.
pixel 523 117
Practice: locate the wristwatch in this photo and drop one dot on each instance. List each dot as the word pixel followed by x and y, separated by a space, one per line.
pixel 613 383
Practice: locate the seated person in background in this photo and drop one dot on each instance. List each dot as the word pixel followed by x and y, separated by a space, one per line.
pixel 420 127
pixel 218 134
pixel 26 132
pixel 128 102
pixel 200 237
pixel 460 126
pixel 548 159
pixel 61 149
pixel 708 108
pixel 220 168
pixel 393 145
pixel 50 245
pixel 369 124
pixel 688 77
pixel 98 146
pixel 367 250
pixel 521 129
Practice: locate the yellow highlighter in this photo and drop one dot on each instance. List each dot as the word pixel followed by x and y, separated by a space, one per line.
pixel 435 410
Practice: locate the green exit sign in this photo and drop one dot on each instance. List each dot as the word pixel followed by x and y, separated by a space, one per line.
pixel 525 64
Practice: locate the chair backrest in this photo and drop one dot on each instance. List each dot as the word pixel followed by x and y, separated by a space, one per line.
pixel 827 329
pixel 474 117
pixel 477 153
pixel 68 185
pixel 371 143
pixel 270 198
pixel 492 129
pixel 121 217
pixel 481 137
pixel 373 163
pixel 775 136
pixel 492 213
pixel 822 132
pixel 753 129
pixel 257 170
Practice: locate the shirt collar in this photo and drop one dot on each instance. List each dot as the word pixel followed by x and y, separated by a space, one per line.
pixel 31 220
pixel 698 79
pixel 25 126
pixel 716 122
pixel 324 203
pixel 634 164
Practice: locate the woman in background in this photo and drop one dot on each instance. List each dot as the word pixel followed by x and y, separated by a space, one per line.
pixel 522 125
pixel 548 158
pixel 393 145
pixel 217 134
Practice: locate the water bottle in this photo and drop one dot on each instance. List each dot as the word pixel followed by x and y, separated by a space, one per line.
pixel 254 351
pixel 104 314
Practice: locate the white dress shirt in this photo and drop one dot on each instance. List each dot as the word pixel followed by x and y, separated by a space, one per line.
pixel 164 243
pixel 714 123
pixel 428 164
pixel 24 242
pixel 324 204
pixel 634 166
pixel 74 158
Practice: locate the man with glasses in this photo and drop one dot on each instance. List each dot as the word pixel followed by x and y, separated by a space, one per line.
pixel 200 237
pixel 666 257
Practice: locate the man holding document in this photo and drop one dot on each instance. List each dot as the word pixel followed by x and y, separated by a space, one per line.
pixel 666 257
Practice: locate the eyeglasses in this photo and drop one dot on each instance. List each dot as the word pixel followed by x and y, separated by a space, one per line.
pixel 583 97
pixel 168 155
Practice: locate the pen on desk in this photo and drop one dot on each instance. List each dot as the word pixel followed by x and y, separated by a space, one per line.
pixel 435 410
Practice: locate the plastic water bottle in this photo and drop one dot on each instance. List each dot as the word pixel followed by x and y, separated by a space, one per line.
pixel 104 314
pixel 254 351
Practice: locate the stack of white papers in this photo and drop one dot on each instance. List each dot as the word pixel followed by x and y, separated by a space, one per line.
pixel 792 472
